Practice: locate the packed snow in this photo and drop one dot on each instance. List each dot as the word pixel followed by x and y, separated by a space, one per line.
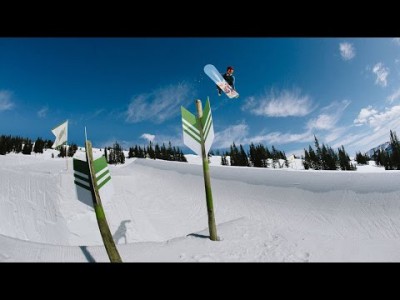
pixel 157 212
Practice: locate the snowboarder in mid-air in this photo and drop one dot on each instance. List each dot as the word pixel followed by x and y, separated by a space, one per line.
pixel 230 79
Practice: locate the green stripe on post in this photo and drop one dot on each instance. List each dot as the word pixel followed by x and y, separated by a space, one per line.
pixel 190 133
pixel 106 173
pixel 196 139
pixel 189 117
pixel 207 131
pixel 99 164
pixel 206 112
pixel 103 183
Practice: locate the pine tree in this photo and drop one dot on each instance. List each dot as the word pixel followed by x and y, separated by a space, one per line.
pixel 63 151
pixel 243 159
pixel 131 152
pixel 3 148
pixel 150 151
pixel 314 160
pixel 318 152
pixel 344 160
pixel 15 144
pixel 118 156
pixel 234 154
pixel 48 144
pixel 255 156
pixel 395 151
pixel 224 161
pixel 275 157
pixel 265 154
pixel 157 151
pixel 27 149
pixel 122 157
pixel 183 158
pixel 306 160
pixel 39 145
pixel 72 149
pixel 362 159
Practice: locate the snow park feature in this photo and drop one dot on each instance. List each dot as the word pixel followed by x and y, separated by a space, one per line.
pixel 263 214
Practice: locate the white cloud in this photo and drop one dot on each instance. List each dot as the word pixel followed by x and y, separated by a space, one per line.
pixel 330 115
pixel 147 136
pixel 367 139
pixel 381 73
pixel 396 41
pixel 365 115
pixel 43 112
pixel 334 134
pixel 347 51
pixel 394 96
pixel 5 101
pixel 323 122
pixel 278 138
pixel 380 121
pixel 235 133
pixel 159 105
pixel 282 104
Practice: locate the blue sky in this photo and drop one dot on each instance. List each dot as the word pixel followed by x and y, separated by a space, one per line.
pixel 346 91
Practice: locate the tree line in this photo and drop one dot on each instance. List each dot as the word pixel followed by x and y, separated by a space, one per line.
pixel 325 158
pixel 322 157
pixel 389 158
pixel 258 156
pixel 115 155
pixel 26 146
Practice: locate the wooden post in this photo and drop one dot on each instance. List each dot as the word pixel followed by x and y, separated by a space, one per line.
pixel 207 182
pixel 105 232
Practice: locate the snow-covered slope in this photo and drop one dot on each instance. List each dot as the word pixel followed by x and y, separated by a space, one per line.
pixel 158 213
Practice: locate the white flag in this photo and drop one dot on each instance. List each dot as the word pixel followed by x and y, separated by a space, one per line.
pixel 61 133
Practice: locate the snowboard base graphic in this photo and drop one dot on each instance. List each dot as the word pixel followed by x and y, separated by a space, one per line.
pixel 215 76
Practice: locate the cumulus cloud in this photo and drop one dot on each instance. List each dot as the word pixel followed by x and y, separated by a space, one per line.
pixel 380 121
pixel 147 136
pixel 365 116
pixel 347 51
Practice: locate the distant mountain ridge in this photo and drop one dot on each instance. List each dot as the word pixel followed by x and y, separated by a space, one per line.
pixel 383 147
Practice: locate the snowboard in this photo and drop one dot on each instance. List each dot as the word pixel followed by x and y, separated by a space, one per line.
pixel 216 76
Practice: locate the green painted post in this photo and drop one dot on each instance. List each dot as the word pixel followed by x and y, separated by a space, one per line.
pixel 105 232
pixel 207 182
